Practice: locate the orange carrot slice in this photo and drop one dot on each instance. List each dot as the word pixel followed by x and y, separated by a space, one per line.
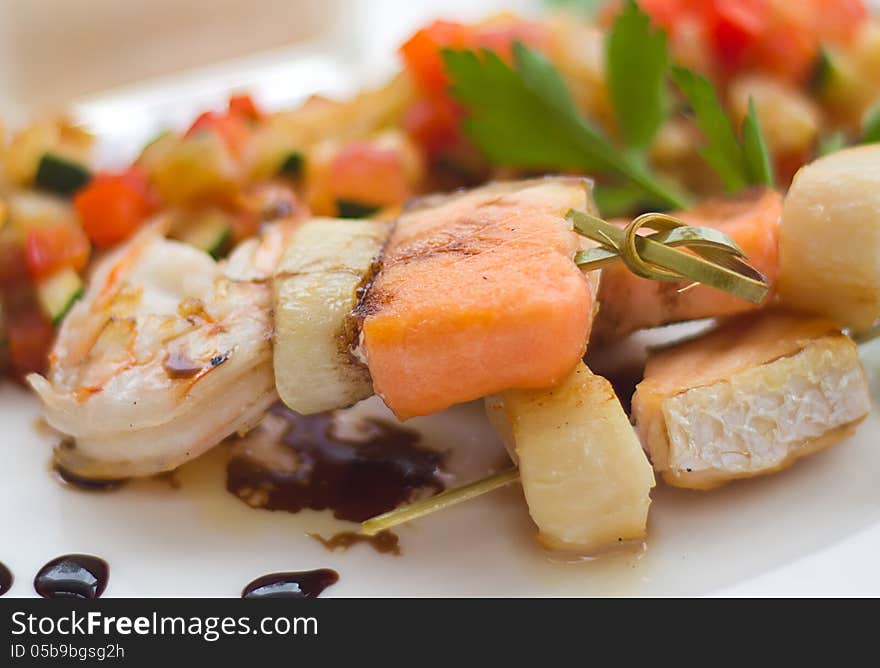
pixel 478 293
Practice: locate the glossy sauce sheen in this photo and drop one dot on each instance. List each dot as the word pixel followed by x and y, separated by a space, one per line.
pixel 304 584
pixel 5 579
pixel 73 576
pixel 356 479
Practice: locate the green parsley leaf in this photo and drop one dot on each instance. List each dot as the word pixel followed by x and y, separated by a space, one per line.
pixel 722 151
pixel 620 200
pixel 738 164
pixel 524 116
pixel 636 62
pixel 755 149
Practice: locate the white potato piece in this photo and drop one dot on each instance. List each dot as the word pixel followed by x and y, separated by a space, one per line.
pixel 829 242
pixel 316 288
pixel 586 479
pixel 749 398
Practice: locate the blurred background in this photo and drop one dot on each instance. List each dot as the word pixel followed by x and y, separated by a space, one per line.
pixel 54 53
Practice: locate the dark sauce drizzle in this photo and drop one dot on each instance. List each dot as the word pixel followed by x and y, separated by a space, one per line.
pixel 356 479
pixel 86 484
pixel 73 576
pixel 384 542
pixel 5 579
pixel 304 584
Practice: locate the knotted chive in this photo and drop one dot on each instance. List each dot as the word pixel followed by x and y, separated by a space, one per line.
pixel 716 260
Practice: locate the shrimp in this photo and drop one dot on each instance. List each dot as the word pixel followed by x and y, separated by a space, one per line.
pixel 167 354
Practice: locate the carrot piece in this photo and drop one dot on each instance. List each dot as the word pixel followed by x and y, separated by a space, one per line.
pixel 628 303
pixel 478 294
pixel 49 249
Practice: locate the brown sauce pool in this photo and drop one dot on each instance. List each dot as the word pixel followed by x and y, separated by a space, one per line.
pixel 292 462
pixel 384 542
pixel 303 584
pixel 5 579
pixel 73 576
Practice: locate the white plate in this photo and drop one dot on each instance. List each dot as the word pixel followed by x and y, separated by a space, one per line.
pixel 814 529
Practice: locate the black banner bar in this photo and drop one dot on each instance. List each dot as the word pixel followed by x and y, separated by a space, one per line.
pixel 146 632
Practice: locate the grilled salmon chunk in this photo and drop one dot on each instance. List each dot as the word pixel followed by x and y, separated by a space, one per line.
pixel 628 302
pixel 749 398
pixel 478 293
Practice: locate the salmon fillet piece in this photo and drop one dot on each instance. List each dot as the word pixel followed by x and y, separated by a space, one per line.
pixel 478 293
pixel 628 302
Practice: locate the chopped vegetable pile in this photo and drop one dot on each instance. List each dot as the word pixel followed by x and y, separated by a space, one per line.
pixel 643 97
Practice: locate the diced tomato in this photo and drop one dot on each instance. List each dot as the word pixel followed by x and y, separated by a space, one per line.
pixel 734 28
pixel 433 124
pixel 232 129
pixel 365 173
pixel 13 263
pixel 29 337
pixel 49 249
pixel 421 52
pixel 113 206
pixel 780 37
pixel 243 106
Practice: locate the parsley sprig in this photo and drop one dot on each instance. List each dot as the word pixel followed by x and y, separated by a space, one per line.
pixel 522 115
pixel 738 163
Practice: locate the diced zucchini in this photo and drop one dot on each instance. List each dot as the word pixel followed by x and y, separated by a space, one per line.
pixel 61 175
pixel 351 209
pixel 58 292
pixel 210 232
pixel 292 165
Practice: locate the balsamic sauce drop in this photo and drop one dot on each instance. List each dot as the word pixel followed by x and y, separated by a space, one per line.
pixel 305 584
pixel 5 579
pixel 384 542
pixel 298 462
pixel 73 576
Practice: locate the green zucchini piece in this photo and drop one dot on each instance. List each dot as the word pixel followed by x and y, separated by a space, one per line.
pixel 60 175
pixel 211 233
pixel 351 209
pixel 57 293
pixel 292 165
